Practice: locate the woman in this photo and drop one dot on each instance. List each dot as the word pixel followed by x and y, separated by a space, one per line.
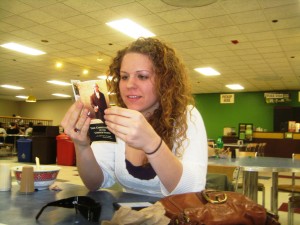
pixel 161 144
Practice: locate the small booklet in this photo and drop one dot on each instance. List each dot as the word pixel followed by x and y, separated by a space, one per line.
pixel 94 95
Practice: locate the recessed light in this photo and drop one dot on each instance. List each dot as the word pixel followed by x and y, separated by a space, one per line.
pixel 130 28
pixel 207 71
pixel 62 83
pixel 12 87
pixel 235 86
pixel 58 65
pixel 22 49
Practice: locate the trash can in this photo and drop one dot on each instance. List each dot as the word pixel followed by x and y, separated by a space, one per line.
pixel 65 150
pixel 24 149
pixel 44 143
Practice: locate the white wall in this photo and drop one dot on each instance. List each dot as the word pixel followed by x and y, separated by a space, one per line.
pixel 8 108
pixel 48 109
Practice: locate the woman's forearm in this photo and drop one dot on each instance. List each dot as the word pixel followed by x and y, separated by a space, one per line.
pixel 88 168
pixel 167 167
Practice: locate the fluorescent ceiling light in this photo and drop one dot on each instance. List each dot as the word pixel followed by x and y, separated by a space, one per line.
pixel 130 28
pixel 12 87
pixel 102 77
pixel 207 71
pixel 22 96
pixel 22 49
pixel 61 95
pixel 235 86
pixel 62 83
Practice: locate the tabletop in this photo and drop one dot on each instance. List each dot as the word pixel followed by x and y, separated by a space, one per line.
pixel 260 164
pixel 17 208
pixel 235 145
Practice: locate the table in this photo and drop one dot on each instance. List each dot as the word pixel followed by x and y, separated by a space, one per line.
pixel 16 208
pixel 235 145
pixel 251 167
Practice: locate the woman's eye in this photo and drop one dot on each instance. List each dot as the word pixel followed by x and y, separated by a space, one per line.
pixel 124 77
pixel 143 77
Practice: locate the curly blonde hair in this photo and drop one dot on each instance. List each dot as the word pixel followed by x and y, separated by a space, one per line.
pixel 171 86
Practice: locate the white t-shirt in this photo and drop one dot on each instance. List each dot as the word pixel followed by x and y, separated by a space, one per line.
pixel 111 158
pixel 2 131
pixel 28 131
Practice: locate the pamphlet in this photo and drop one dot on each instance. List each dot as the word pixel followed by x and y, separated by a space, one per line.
pixel 94 95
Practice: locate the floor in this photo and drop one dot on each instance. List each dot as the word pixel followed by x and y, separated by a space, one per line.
pixel 69 174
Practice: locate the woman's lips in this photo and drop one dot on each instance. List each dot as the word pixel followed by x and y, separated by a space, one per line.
pixel 133 96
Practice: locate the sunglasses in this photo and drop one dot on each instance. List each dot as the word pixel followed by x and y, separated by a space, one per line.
pixel 86 206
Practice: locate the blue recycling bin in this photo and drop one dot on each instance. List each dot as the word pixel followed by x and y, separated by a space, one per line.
pixel 24 150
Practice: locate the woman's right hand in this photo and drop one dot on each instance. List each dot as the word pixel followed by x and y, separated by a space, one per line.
pixel 76 124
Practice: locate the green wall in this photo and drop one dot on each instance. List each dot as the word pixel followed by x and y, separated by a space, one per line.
pixel 249 107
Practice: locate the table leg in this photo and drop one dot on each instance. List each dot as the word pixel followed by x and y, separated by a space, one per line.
pixel 15 143
pixel 250 181
pixel 274 193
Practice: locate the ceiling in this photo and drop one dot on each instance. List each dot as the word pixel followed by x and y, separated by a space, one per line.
pixel 266 57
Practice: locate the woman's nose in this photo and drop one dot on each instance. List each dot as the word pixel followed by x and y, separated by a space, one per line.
pixel 131 82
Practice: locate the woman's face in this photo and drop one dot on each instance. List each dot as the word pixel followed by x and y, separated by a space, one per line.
pixel 137 83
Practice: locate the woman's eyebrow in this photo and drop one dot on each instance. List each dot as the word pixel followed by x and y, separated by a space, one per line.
pixel 137 71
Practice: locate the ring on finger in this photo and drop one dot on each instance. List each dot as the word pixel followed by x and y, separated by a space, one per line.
pixel 76 130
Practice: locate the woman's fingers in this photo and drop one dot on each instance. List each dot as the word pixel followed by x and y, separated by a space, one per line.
pixel 82 123
pixel 68 114
pixel 116 128
pixel 73 120
pixel 115 110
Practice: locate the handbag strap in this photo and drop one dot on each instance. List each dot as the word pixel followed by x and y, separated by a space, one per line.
pixel 214 197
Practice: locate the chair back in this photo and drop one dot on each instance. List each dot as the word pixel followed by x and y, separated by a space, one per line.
pixel 252 147
pixel 232 172
pixel 293 187
pixel 261 149
pixel 296 156
pixel 247 154
pixel 211 144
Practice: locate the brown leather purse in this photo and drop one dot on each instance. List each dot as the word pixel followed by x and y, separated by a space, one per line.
pixel 211 207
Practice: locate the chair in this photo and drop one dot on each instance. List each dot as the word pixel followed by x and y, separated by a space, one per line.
pixel 251 147
pixel 260 186
pixel 232 173
pixel 292 188
pixel 247 154
pixel 294 201
pixel 211 144
pixel 261 149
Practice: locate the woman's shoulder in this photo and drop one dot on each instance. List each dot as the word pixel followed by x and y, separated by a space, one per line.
pixel 192 110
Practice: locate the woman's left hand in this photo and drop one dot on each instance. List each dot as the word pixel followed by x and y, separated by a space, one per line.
pixel 132 127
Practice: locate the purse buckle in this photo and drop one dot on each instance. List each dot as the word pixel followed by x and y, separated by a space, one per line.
pixel 214 197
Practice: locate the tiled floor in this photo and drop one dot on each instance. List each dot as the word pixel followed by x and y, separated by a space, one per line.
pixel 69 174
